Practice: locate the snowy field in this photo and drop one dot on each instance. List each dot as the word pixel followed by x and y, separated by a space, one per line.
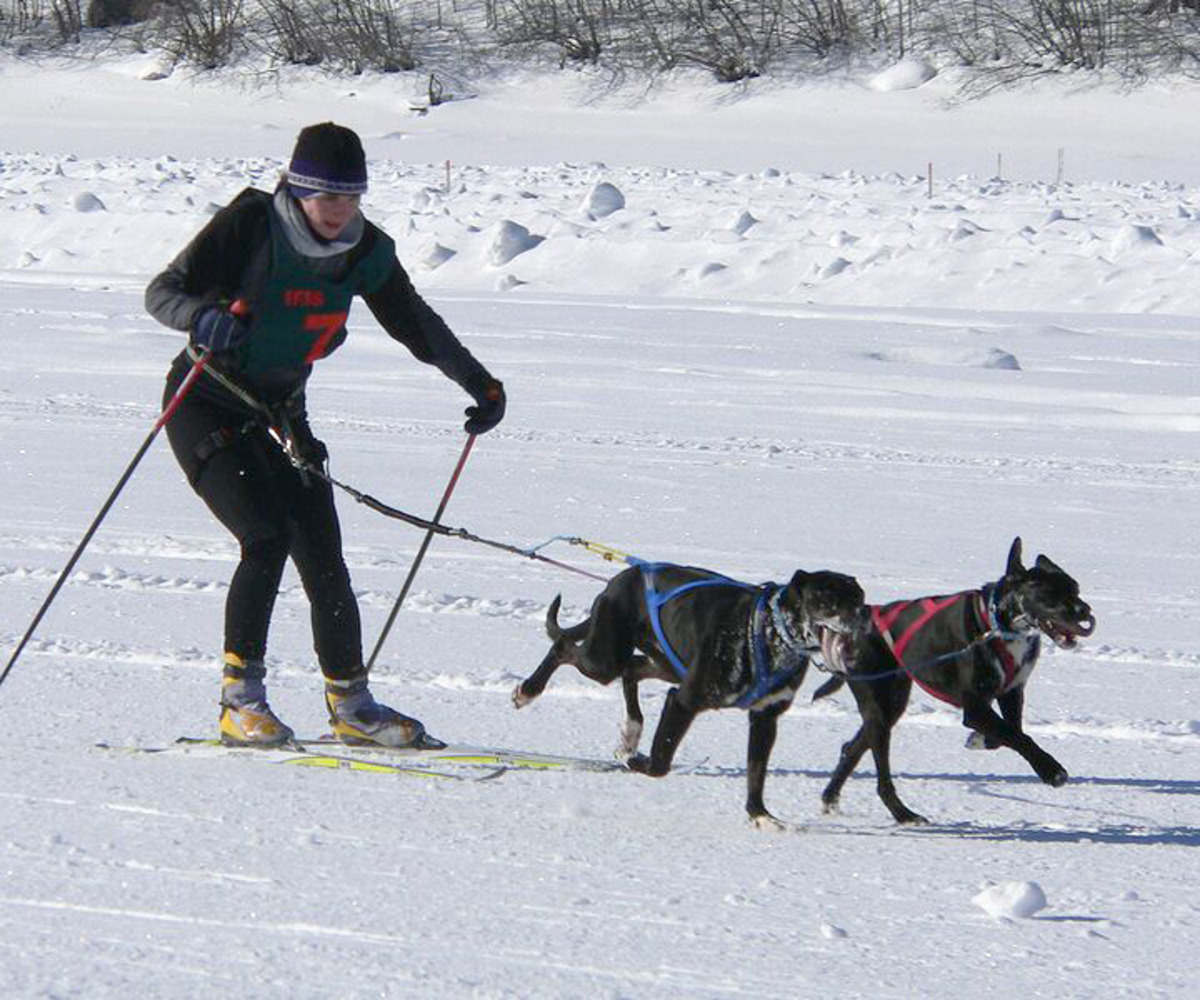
pixel 751 351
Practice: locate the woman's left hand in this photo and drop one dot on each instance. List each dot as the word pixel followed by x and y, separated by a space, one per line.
pixel 488 410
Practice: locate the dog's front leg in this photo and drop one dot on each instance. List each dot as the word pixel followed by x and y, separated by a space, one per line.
pixel 672 727
pixel 982 718
pixel 763 727
pixel 1012 708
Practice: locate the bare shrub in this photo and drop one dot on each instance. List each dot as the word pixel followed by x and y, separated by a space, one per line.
pixel 292 31
pixel 67 19
pixel 735 39
pixel 117 13
pixel 370 34
pixel 204 33
pixel 579 30
pixel 819 27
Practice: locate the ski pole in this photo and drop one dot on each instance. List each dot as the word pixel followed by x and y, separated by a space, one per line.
pixel 167 413
pixel 433 528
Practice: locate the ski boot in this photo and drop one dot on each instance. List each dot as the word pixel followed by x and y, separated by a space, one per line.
pixel 358 719
pixel 246 718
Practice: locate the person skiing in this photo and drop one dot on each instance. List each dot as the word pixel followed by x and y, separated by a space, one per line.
pixel 265 287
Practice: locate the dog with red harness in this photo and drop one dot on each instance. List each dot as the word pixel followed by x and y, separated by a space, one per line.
pixel 969 649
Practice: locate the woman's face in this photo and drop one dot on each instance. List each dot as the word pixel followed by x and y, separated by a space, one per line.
pixel 329 214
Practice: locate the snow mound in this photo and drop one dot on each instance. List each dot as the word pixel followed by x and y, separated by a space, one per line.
pixel 965 230
pixel 511 240
pixel 436 256
pixel 507 282
pixel 908 74
pixel 743 223
pixel 988 357
pixel 85 201
pixel 834 268
pixel 603 200
pixel 1133 238
pixel 1016 900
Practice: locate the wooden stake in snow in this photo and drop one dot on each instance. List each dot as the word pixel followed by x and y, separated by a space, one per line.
pixel 447 177
pixel 929 174
pixel 1062 165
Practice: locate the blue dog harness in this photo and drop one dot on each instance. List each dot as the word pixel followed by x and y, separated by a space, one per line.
pixel 766 678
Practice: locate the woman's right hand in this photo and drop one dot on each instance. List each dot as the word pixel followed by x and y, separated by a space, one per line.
pixel 218 329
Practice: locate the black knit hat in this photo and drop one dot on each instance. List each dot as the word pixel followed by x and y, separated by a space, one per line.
pixel 328 159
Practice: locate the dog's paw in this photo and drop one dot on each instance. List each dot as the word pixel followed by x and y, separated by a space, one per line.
pixel 642 764
pixel 910 818
pixel 519 698
pixel 765 821
pixel 638 762
pixel 1050 771
pixel 831 807
pixel 1056 778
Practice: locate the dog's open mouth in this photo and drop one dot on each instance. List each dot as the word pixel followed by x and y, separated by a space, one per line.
pixel 1065 634
pixel 835 649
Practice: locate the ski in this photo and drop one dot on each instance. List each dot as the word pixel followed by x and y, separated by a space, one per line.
pixel 298 756
pixel 327 751
pixel 467 755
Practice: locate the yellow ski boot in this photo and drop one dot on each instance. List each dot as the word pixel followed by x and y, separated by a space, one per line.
pixel 246 718
pixel 357 718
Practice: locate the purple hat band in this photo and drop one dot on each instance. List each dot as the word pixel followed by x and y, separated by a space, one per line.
pixel 315 178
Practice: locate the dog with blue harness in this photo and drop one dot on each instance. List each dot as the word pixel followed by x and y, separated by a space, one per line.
pixel 722 643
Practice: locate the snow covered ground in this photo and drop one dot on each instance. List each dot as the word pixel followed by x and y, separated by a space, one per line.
pixel 780 352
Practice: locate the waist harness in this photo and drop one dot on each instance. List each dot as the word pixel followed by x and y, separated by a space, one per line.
pixel 766 676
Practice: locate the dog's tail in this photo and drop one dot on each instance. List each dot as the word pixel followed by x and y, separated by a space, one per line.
pixel 826 689
pixel 556 631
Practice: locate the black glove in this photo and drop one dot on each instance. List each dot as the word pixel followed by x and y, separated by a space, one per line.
pixel 218 330
pixel 488 410
pixel 305 446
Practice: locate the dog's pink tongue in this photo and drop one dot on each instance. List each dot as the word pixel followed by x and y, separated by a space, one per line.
pixel 833 649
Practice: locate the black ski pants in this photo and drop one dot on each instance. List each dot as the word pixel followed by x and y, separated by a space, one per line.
pixel 253 490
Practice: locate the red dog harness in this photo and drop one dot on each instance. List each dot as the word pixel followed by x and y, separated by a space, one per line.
pixel 902 622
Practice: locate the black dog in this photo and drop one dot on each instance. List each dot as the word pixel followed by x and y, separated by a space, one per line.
pixel 726 644
pixel 968 649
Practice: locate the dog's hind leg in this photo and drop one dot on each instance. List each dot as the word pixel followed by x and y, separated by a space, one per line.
pixel 561 651
pixel 880 703
pixel 631 728
pixel 673 725
pixel 535 683
pixel 852 751
pixel 982 718
pixel 891 701
pixel 881 741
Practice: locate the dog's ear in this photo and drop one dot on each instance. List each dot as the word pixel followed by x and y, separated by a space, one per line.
pixel 1048 565
pixel 797 582
pixel 1015 567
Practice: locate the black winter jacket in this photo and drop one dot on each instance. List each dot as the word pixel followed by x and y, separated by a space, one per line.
pixel 232 254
